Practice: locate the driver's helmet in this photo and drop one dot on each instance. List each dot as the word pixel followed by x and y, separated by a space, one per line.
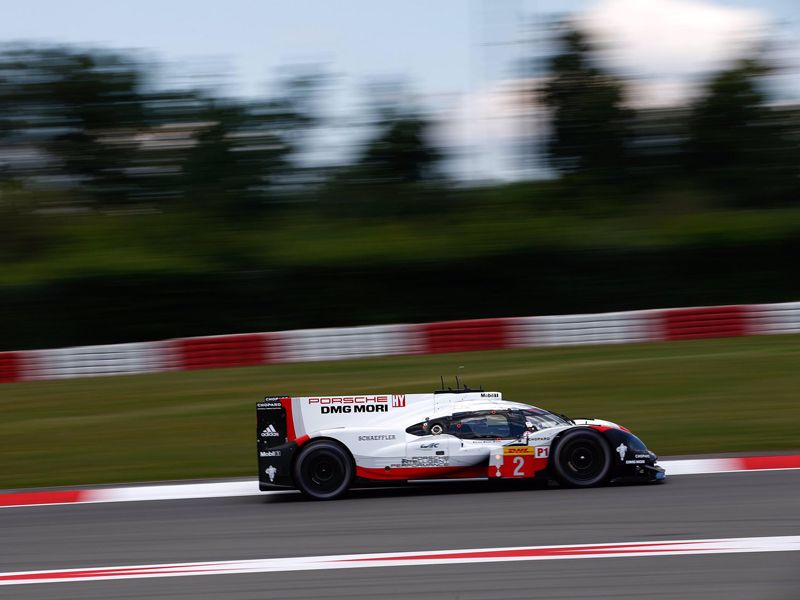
pixel 532 423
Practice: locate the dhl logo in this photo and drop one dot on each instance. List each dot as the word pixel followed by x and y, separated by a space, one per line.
pixel 517 450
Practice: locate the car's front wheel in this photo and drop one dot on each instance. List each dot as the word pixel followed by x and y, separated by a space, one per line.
pixel 582 458
pixel 323 470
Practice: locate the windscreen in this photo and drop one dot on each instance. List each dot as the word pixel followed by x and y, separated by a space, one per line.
pixel 542 419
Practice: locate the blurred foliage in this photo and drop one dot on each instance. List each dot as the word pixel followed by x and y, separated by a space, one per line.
pixel 741 146
pixel 400 153
pixel 589 121
pixel 79 111
pixel 734 141
pixel 129 210
pixel 90 121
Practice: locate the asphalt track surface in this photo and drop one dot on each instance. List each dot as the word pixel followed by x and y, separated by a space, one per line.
pixel 423 518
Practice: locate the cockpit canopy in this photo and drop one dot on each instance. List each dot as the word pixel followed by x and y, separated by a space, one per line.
pixel 489 424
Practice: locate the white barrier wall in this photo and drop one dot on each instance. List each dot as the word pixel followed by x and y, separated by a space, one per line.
pixel 83 361
pixel 306 345
pixel 775 318
pixel 346 342
pixel 574 330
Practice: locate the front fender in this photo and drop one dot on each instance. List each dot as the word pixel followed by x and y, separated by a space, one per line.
pixel 632 460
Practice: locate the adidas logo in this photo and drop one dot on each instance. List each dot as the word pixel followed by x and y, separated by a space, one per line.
pixel 270 431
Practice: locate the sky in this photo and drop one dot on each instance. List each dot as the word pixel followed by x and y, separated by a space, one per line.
pixel 459 56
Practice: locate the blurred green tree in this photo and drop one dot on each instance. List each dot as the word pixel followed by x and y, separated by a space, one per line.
pixel 235 154
pixel 401 152
pixel 590 125
pixel 91 119
pixel 81 109
pixel 741 145
pixel 396 172
pixel 244 150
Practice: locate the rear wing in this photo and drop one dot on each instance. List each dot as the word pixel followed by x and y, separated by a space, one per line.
pixel 275 450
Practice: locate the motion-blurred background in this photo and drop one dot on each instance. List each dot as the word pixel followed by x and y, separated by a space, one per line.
pixel 188 168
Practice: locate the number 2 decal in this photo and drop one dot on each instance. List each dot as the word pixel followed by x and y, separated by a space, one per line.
pixel 519 463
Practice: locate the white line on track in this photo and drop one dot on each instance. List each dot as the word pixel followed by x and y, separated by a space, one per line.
pixel 397 559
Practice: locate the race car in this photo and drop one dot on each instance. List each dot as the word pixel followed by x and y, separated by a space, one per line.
pixel 324 445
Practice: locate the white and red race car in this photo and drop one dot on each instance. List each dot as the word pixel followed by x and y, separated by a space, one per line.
pixel 323 445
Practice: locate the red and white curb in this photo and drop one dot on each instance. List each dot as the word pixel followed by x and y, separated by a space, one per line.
pixel 228 489
pixel 701 466
pixel 400 559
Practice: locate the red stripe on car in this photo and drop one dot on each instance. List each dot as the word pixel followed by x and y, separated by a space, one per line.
pixel 287 406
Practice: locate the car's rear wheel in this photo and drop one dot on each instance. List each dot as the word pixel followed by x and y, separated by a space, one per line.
pixel 323 470
pixel 582 458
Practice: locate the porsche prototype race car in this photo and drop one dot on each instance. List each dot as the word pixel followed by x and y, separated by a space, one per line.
pixel 323 445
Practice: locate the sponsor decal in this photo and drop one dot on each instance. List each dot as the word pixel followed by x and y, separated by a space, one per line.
pixel 270 431
pixel 429 446
pixel 271 402
pixel 634 462
pixel 352 404
pixel 377 438
pixel 542 451
pixel 490 395
pixel 399 400
pixel 359 408
pixel 269 405
pixel 350 400
pixel 517 450
pixel 622 449
pixel 422 461
pixel 641 456
pixel 269 453
pixel 271 472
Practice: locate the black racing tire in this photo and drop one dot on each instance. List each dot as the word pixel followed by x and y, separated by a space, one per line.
pixel 582 458
pixel 323 470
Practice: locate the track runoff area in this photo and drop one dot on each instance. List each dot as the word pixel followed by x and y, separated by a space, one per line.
pixel 787 542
